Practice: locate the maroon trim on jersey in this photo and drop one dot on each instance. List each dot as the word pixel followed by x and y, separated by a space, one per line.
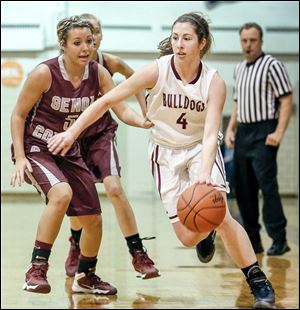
pixel 102 62
pixel 146 98
pixel 155 163
pixel 174 69
pixel 152 161
pixel 221 169
pixel 178 76
pixel 64 73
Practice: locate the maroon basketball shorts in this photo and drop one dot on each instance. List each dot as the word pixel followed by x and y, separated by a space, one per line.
pixel 49 170
pixel 100 155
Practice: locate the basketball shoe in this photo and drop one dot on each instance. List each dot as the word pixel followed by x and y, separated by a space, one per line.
pixel 206 248
pixel 71 264
pixel 36 278
pixel 90 283
pixel 144 265
pixel 261 289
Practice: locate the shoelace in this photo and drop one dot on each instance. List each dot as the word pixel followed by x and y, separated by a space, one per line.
pixel 148 238
pixel 39 270
pixel 93 277
pixel 143 256
pixel 261 284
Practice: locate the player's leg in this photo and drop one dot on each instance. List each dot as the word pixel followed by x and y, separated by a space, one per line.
pixel 51 183
pixel 102 159
pixel 126 219
pixel 169 169
pixel 71 263
pixel 86 206
pixel 187 237
pixel 123 209
pixel 205 249
pixel 86 281
pixel 239 248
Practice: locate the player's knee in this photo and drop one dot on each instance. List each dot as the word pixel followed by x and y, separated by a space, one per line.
pixel 94 223
pixel 65 197
pixel 187 242
pixel 62 202
pixel 227 221
pixel 114 190
pixel 60 197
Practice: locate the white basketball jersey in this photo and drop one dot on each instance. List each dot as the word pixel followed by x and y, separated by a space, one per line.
pixel 178 111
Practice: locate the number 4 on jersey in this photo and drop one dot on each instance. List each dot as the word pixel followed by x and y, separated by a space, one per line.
pixel 182 120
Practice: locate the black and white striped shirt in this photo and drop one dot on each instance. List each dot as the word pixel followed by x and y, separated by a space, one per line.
pixel 258 87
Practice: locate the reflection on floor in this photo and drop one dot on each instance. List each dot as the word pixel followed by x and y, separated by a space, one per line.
pixel 185 283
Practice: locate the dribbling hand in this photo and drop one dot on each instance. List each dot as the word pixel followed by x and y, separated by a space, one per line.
pixel 205 178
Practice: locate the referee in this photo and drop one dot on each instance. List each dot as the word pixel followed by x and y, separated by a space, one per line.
pixel 263 96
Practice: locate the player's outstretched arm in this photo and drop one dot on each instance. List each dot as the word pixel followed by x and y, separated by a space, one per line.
pixel 145 78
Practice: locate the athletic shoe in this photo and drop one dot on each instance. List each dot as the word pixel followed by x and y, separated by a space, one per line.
pixel 71 264
pixel 262 290
pixel 36 278
pixel 206 248
pixel 92 284
pixel 144 265
pixel 278 248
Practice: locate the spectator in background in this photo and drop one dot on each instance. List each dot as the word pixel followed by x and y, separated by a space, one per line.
pixel 263 95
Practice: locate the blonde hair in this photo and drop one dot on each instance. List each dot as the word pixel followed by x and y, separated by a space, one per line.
pixel 68 23
pixel 89 17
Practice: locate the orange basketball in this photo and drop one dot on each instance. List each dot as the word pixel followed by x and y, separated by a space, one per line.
pixel 201 208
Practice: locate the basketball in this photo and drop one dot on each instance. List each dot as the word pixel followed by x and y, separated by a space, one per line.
pixel 201 208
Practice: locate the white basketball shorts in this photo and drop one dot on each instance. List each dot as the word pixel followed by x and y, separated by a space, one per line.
pixel 174 170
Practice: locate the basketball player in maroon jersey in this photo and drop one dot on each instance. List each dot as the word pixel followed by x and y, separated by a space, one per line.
pixel 185 104
pixel 99 152
pixel 53 96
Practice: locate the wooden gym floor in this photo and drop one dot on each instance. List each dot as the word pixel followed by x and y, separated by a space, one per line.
pixel 185 283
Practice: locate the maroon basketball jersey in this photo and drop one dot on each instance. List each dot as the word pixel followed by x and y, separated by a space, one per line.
pixel 106 122
pixel 62 104
pixel 101 61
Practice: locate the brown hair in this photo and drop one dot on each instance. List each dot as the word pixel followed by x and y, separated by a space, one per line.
pixel 200 24
pixel 252 25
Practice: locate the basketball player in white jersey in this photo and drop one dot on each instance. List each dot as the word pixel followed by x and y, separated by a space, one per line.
pixel 185 105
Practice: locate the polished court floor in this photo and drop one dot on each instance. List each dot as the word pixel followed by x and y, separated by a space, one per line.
pixel 185 283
